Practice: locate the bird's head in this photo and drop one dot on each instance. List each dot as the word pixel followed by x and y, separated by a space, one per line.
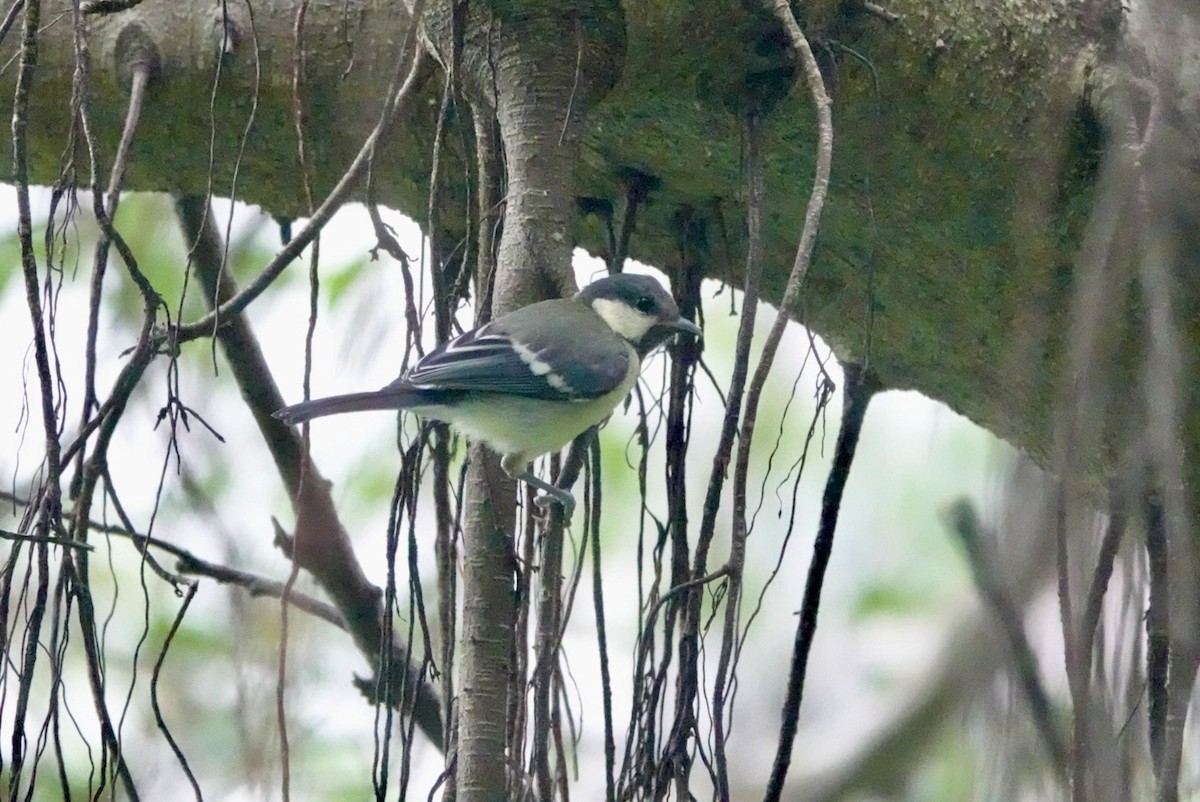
pixel 637 308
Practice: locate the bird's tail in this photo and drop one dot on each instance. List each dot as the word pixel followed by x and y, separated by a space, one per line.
pixel 388 398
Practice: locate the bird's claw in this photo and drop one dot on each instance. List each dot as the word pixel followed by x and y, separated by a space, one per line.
pixel 547 501
pixel 550 496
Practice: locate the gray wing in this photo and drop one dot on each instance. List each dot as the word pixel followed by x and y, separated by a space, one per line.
pixel 561 353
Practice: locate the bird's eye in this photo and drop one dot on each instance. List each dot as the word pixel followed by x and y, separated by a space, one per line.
pixel 645 305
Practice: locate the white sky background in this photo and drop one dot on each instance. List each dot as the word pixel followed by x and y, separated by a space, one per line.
pixel 915 457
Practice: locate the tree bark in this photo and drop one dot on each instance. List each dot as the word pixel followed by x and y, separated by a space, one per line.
pixel 968 138
pixel 517 69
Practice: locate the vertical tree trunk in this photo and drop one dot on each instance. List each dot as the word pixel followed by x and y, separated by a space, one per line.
pixel 536 69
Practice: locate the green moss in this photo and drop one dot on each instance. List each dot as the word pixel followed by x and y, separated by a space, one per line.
pixel 960 175
pixel 941 123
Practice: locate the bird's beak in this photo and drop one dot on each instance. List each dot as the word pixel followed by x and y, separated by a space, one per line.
pixel 684 326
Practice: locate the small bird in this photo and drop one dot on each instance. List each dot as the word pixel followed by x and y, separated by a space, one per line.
pixel 529 382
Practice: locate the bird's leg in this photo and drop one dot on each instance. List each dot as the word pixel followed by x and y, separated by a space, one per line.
pixel 518 468
pixel 553 494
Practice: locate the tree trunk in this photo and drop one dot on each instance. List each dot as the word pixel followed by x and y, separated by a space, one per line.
pixel 519 70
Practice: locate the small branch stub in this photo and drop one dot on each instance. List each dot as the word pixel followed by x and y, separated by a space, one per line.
pixel 136 51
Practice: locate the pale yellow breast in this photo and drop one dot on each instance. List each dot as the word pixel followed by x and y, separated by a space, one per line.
pixel 528 427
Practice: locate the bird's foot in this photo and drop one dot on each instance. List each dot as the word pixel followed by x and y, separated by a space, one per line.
pixel 562 498
pixel 551 495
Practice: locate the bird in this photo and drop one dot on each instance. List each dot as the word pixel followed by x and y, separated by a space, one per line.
pixel 529 382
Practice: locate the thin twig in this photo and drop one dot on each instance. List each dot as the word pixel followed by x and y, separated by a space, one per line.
pixel 66 543
pixel 825 391
pixel 158 664
pixel 816 200
pixel 49 514
pixel 593 505
pixel 1076 663
pixel 334 565
pixel 966 525
pixel 299 121
pixel 637 189
pixel 859 389
pixel 679 590
pixel 550 617
pixel 337 196
pixel 189 563
pixel 677 749
pixel 1162 257
pixel 140 57
pixel 890 17
pixel 441 437
pixel 1110 545
pixel 285 752
pixel 10 18
pixel 411 681
pixel 755 210
pixel 1158 638
pixel 119 508
pixel 140 78
pixel 549 612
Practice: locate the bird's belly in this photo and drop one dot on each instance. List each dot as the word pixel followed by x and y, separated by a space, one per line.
pixel 528 427
pixel 513 425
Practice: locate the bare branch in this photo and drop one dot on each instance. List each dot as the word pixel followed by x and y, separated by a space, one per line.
pixel 321 544
pixel 860 387
pixel 966 525
pixel 397 103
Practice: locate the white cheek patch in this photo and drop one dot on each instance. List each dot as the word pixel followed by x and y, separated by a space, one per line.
pixel 539 367
pixel 624 319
